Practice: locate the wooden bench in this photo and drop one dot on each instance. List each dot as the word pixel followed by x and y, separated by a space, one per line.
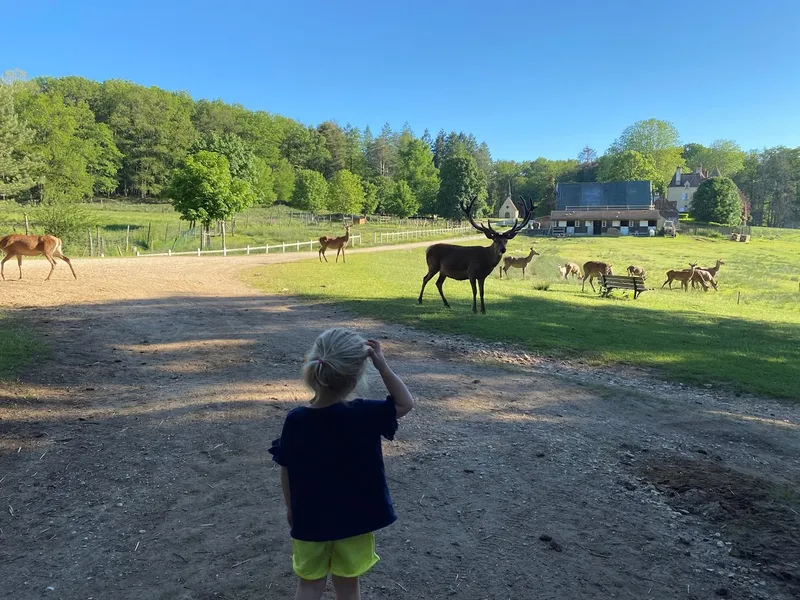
pixel 622 282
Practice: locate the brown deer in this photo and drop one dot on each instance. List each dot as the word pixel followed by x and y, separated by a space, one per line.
pixel 634 271
pixel 518 262
pixel 594 269
pixel 475 263
pixel 20 245
pixel 704 279
pixel 571 268
pixel 684 276
pixel 339 243
pixel 711 271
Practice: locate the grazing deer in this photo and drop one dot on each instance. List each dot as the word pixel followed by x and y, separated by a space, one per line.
pixel 570 268
pixel 518 262
pixel 20 245
pixel 475 263
pixel 684 276
pixel 634 271
pixel 339 243
pixel 704 278
pixel 594 269
pixel 711 271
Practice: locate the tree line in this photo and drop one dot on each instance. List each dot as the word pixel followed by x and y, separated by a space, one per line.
pixel 63 140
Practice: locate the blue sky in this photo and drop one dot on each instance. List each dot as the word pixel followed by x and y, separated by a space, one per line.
pixel 530 78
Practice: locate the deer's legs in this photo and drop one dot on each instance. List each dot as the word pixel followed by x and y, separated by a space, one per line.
pixel 480 287
pixel 472 282
pixel 68 261
pixel 439 283
pixel 668 281
pixel 523 275
pixel 2 266
pixel 321 254
pixel 337 254
pixel 52 262
pixel 425 281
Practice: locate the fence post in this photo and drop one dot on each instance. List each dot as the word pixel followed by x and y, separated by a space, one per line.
pixel 91 243
pixel 266 248
pixel 136 250
pixel 284 247
pixel 224 250
pixel 375 238
pixel 169 251
pixel 248 249
pixel 198 252
pixel 127 237
pixel 311 246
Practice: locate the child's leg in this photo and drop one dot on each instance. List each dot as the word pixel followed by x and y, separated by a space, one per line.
pixel 347 588
pixel 310 589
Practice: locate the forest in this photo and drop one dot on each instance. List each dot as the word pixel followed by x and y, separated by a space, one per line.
pixel 70 139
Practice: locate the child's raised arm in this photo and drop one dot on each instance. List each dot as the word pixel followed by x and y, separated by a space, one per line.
pixel 394 385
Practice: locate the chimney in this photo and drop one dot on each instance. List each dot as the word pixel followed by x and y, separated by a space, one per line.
pixel 678 176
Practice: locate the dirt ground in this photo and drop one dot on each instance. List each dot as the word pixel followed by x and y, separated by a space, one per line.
pixel 134 464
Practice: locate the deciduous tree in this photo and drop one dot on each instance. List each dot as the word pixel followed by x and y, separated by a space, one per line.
pixel 717 200
pixel 310 191
pixel 345 193
pixel 657 141
pixel 200 189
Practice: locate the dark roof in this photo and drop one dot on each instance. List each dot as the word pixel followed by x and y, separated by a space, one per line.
pixel 694 179
pixel 598 215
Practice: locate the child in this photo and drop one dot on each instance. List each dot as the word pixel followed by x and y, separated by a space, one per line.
pixel 332 466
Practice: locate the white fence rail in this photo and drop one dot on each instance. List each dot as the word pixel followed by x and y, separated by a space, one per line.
pixel 276 248
pixel 382 238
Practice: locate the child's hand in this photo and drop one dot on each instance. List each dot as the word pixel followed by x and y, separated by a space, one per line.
pixel 375 352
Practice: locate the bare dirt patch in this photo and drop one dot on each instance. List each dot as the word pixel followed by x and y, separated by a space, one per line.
pixel 133 462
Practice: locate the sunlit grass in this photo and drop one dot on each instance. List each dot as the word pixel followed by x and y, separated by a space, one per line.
pixel 746 336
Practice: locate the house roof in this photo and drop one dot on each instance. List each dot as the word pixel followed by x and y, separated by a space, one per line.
pixel 694 179
pixel 608 215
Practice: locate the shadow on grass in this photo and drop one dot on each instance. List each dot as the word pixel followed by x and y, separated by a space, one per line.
pixel 685 346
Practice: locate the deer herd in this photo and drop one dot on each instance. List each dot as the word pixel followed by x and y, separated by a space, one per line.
pixel 474 263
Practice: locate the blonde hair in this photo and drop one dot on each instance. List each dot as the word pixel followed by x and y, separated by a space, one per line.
pixel 336 361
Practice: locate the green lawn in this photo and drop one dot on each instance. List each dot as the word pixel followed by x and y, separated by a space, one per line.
pixel 162 226
pixel 745 337
pixel 17 347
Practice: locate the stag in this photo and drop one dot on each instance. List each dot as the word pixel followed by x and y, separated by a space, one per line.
pixel 18 245
pixel 340 243
pixel 475 263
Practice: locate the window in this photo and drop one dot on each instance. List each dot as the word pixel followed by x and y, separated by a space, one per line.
pixel 624 223
pixel 562 223
pixel 645 223
pixel 605 224
pixel 651 223
pixel 570 223
pixel 615 223
pixel 685 196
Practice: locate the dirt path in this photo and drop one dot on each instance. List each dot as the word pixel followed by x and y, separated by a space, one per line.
pixel 133 463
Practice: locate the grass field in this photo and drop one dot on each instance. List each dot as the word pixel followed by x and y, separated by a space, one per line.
pixel 157 228
pixel 745 337
pixel 17 347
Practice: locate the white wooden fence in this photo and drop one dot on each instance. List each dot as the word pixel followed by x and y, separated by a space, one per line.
pixel 355 240
pixel 382 238
pixel 276 248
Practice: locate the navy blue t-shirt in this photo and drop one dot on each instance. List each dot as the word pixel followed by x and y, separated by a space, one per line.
pixel 335 464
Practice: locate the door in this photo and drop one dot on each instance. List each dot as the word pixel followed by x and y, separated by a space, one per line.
pixel 597 226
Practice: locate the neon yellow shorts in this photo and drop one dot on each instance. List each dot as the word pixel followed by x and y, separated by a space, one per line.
pixel 350 557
